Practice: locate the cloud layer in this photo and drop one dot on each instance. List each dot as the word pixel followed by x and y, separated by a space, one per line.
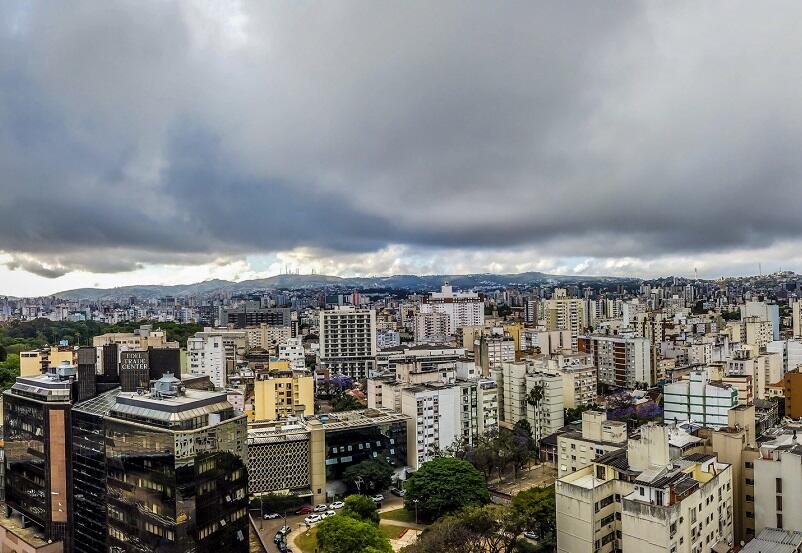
pixel 138 134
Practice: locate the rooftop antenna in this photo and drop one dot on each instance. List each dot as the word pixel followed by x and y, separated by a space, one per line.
pixel 760 269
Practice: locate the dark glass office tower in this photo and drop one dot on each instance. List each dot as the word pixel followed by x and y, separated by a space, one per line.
pixel 176 472
pixel 89 473
pixel 37 450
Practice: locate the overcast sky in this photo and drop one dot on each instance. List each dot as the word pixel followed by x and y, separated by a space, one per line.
pixel 161 142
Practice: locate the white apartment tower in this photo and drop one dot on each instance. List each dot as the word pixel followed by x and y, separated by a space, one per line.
pixel 348 340
pixel 462 308
pixel 206 355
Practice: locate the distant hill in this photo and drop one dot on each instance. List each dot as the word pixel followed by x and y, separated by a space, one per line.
pixel 301 282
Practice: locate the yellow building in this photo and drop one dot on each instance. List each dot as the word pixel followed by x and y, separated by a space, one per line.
pixel 515 330
pixel 32 362
pixel 284 395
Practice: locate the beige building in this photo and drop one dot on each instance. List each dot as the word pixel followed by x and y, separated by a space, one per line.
pixel 266 337
pixel 284 395
pixel 578 374
pixel 778 484
pixel 32 363
pixel 639 500
pixel 142 338
pixel 566 314
pixel 765 369
pixel 598 436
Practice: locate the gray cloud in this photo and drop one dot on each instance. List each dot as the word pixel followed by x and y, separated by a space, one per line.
pixel 153 132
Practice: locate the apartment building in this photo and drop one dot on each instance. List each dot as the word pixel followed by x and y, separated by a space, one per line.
pixel 32 363
pixel 778 484
pixel 292 350
pixel 598 436
pixel 578 374
pixel 621 361
pixel 699 400
pixel 566 314
pixel 284 394
pixel 462 308
pixel 765 369
pixel 516 382
pixel 348 341
pixel 638 499
pixel 266 336
pixel 206 356
pixel 431 327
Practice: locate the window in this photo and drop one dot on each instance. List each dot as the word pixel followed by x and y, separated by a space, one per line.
pixel 778 483
pixel 779 521
pixel 600 472
pixel 779 503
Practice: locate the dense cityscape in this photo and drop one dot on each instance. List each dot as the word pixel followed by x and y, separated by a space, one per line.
pixel 567 414
pixel 387 276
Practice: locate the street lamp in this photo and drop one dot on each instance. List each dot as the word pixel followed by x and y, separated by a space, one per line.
pixel 415 501
pixel 358 481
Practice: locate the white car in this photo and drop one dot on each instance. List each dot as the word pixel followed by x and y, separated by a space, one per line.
pixel 311 519
pixel 378 498
pixel 329 513
pixel 337 505
pixel 321 508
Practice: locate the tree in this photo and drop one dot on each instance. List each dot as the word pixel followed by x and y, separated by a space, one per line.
pixel 535 395
pixel 344 534
pixel 3 354
pixel 523 444
pixel 344 402
pixel 375 474
pixel 575 413
pixel 445 485
pixel 361 507
pixel 472 530
pixel 534 509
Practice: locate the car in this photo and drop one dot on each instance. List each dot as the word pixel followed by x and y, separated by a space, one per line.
pixel 321 508
pixel 530 535
pixel 397 491
pixel 329 513
pixel 271 516
pixel 337 505
pixel 378 498
pixel 305 510
pixel 284 530
pixel 311 519
pixel 278 538
pixel 282 547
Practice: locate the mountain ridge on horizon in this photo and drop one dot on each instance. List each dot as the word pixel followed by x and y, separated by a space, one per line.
pixel 306 281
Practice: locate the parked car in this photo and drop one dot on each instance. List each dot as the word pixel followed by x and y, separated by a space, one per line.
pixel 282 547
pixel 271 516
pixel 378 498
pixel 305 510
pixel 397 491
pixel 284 530
pixel 311 519
pixel 330 513
pixel 321 508
pixel 337 505
pixel 278 538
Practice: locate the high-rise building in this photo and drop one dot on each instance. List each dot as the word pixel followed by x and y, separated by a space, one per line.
pixel 38 485
pixel 699 400
pixel 566 314
pixel 253 314
pixel 176 471
pixel 207 356
pixel 348 341
pixel 462 308
pixel 431 326
pixel 621 361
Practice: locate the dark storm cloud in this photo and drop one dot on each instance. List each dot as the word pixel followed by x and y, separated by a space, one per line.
pixel 136 133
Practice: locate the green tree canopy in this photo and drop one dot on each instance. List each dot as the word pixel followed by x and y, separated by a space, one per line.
pixel 443 486
pixel 375 474
pixel 361 507
pixel 343 534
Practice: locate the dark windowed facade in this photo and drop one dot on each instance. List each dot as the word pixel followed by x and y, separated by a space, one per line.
pixel 89 473
pixel 351 445
pixel 176 473
pixel 37 477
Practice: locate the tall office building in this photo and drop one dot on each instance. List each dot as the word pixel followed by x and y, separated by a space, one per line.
pixel 176 472
pixel 38 483
pixel 348 340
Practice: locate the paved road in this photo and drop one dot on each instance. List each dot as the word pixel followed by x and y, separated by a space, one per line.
pixel 268 528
